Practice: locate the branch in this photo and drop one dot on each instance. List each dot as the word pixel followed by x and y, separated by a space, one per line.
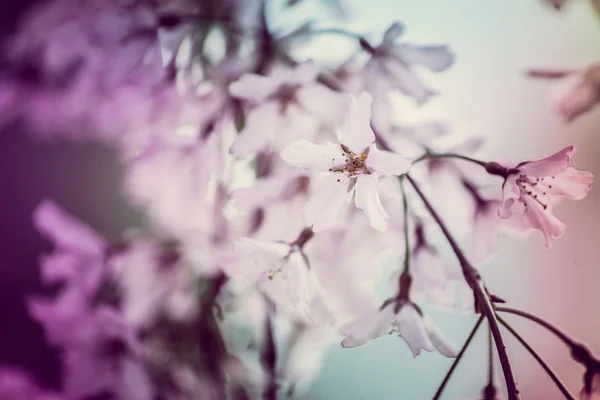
pixel 475 282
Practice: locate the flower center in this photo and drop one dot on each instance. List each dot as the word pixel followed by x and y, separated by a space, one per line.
pixel 354 164
pixel 534 188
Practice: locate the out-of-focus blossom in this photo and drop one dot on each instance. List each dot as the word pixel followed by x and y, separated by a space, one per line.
pixel 18 385
pixel 405 319
pixel 391 68
pixel 286 107
pixel 351 168
pixel 591 390
pixel 282 273
pixel 532 187
pixel 581 92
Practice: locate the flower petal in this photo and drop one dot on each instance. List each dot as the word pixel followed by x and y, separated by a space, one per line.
pixel 356 132
pixel 548 166
pixel 328 199
pixel 412 329
pixel 65 230
pixel 260 130
pixel 253 87
pixel 303 73
pixel 367 327
pixel 573 184
pixel 544 220
pixel 317 157
pixel 439 340
pixel 367 199
pixel 387 163
pixel 401 78
pixel 436 58
pixel 327 105
pixel 393 32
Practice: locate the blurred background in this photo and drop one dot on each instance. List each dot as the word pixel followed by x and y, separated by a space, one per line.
pixel 486 92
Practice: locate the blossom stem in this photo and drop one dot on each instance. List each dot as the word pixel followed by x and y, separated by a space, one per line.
pixel 540 361
pixel 457 359
pixel 303 238
pixel 337 31
pixel 483 299
pixel 579 351
pixel 429 155
pixel 269 356
pixel 406 239
pixel 557 332
pixel 490 358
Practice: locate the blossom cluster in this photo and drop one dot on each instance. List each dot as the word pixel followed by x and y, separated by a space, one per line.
pixel 275 192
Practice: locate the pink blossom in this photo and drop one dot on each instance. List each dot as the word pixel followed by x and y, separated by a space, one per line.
pixel 18 385
pixel 286 107
pixel 406 319
pixel 351 168
pixel 533 187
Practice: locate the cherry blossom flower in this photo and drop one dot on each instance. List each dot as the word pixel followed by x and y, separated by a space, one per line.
pixel 533 187
pixel 391 68
pixel 286 107
pixel 351 168
pixel 404 318
pixel 280 270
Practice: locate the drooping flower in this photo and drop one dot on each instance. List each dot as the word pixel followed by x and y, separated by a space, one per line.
pixel 286 107
pixel 404 318
pixel 533 187
pixel 351 168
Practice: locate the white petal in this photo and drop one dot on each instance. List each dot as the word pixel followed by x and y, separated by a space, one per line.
pixel 328 199
pixel 387 163
pixel 323 102
pixel 253 87
pixel 303 74
pixel 356 132
pixel 439 340
pixel 403 79
pixel 316 157
pixel 260 130
pixel 367 327
pixel 412 329
pixel 393 32
pixel 436 58
pixel 367 199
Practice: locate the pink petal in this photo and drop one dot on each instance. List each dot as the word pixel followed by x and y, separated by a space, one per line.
pixel 367 327
pixel 584 96
pixel 386 163
pixel 252 87
pixel 65 230
pixel 303 73
pixel 316 157
pixel 356 132
pixel 436 58
pixel 544 221
pixel 260 130
pixel 573 184
pixel 328 199
pixel 549 166
pixel 367 199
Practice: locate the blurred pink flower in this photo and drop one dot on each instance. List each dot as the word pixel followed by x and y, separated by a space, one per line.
pixel 352 168
pixel 286 107
pixel 532 187
pixel 18 385
pixel 406 319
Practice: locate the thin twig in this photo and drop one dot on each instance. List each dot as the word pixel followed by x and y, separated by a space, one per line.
pixel 557 332
pixel 540 361
pixel 457 359
pixel 475 282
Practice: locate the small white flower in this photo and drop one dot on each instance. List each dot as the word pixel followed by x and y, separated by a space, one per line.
pixel 404 318
pixel 352 167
